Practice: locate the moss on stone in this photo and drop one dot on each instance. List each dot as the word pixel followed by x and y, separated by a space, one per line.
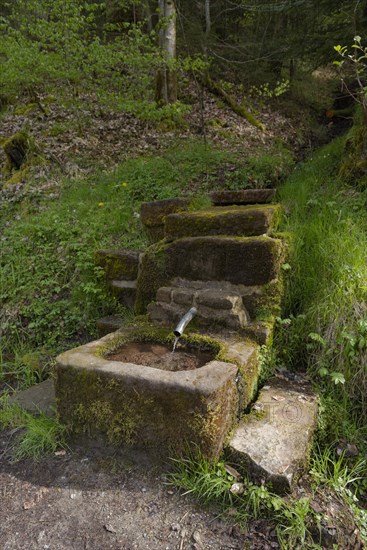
pixel 238 260
pixel 226 220
pixel 152 275
pixel 119 264
pixel 17 149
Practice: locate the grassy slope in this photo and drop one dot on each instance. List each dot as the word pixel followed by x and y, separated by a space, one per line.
pixel 51 289
pixel 326 295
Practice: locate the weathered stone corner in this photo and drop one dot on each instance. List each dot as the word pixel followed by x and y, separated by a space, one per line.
pixel 272 443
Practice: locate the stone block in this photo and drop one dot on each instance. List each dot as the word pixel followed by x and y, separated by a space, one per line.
pixel 244 353
pixel 164 294
pixel 125 292
pixel 145 407
pixel 227 318
pixel 218 300
pixel 108 324
pixel 166 315
pixel 153 215
pixel 119 264
pixel 230 220
pixel 37 399
pixel 238 260
pixel 272 443
pixel 183 296
pixel 243 196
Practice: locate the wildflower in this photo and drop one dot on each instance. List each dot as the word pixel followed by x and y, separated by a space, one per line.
pixel 124 184
pixel 101 204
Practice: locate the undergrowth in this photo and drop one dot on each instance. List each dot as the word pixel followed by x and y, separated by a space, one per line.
pixel 325 325
pixel 211 483
pixel 35 435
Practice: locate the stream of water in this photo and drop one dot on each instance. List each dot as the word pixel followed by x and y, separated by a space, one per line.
pixel 175 343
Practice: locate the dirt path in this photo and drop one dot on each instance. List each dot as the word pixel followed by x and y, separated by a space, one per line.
pixel 77 501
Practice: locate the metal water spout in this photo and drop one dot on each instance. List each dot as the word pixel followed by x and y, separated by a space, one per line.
pixel 184 322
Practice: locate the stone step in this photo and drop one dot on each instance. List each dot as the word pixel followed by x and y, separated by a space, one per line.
pixel 272 443
pixel 108 324
pixel 238 260
pixel 242 196
pixel 168 314
pixel 125 292
pixel 119 264
pixel 37 399
pixel 230 220
pixel 153 214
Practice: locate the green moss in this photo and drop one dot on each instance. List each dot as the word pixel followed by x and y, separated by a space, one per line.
pixel 152 275
pixel 224 220
pixel 17 149
pixel 18 176
pixel 353 167
pixel 142 331
pixel 25 109
pixel 121 264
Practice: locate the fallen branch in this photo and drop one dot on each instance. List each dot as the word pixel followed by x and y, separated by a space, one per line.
pixel 231 102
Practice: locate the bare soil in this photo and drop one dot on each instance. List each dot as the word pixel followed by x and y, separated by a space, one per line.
pixel 95 500
pixel 160 356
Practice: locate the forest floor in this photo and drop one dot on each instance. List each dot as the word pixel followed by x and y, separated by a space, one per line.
pixel 83 499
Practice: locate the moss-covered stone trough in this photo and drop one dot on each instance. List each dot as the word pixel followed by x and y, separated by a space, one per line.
pixel 133 404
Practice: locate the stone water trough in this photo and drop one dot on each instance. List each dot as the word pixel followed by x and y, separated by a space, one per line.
pixel 129 386
pixel 225 262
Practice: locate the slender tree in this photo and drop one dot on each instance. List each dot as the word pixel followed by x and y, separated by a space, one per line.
pixel 166 91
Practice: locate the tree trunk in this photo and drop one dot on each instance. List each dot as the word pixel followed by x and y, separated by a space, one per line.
pixel 166 89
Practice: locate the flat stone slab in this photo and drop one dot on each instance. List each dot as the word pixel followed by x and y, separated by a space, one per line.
pixel 230 220
pixel 37 399
pixel 238 260
pixel 243 196
pixel 272 443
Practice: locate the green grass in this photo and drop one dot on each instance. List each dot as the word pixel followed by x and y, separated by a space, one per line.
pixel 326 295
pixel 211 483
pixel 37 435
pixel 51 290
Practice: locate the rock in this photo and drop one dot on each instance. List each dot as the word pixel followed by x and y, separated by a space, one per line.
pixel 232 220
pixel 119 264
pixel 274 445
pixel 16 149
pixel 237 488
pixel 125 292
pixel 153 214
pixel 242 260
pixel 109 324
pixel 243 196
pixel 39 398
pixel 132 404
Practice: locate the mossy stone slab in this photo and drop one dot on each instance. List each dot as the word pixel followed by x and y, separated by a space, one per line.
pixel 273 442
pixel 241 260
pixel 243 196
pixel 153 214
pixel 119 264
pixel 146 407
pixel 231 220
